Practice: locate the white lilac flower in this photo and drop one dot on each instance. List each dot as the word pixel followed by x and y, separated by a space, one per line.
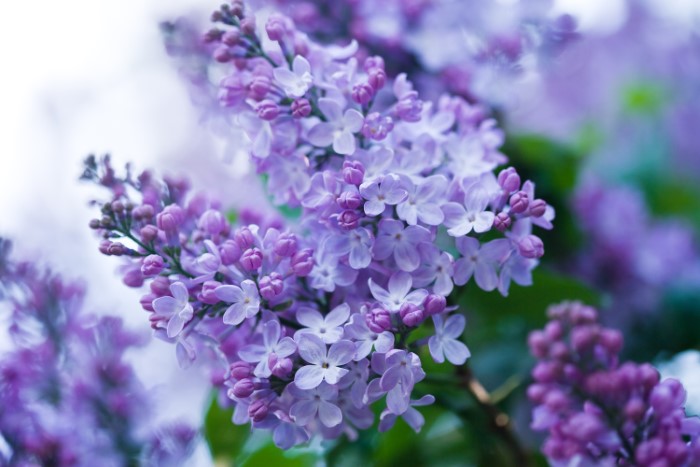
pixel 177 308
pixel 445 344
pixel 297 81
pixel 328 328
pixel 245 299
pixel 398 292
pixel 325 364
pixel 339 128
pixel 272 344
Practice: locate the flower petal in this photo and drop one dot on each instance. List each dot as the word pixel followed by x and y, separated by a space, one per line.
pixel 329 414
pixel 309 377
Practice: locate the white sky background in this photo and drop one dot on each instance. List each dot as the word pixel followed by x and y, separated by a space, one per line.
pixel 82 76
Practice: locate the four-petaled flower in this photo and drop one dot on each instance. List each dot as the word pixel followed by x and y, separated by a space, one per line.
pixel 324 363
pixel 298 80
pixel 316 401
pixel 272 344
pixel 329 328
pixel 445 343
pixel 398 293
pixel 380 193
pixel 178 307
pixel 245 299
pixel 402 242
pixel 339 128
pixel 461 221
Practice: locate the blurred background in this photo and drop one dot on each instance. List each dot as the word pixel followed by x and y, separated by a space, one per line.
pixel 604 117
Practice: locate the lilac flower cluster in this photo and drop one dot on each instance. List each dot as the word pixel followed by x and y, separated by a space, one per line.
pixel 67 397
pixel 598 411
pixel 308 325
pixel 621 254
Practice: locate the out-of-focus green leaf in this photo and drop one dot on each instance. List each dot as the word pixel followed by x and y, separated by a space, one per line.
pixel 225 439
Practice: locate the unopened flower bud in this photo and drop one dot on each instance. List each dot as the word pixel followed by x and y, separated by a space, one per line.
pixel 434 304
pixel 268 110
pixel 230 252
pixel 362 93
pixel 208 293
pixel 502 222
pixel 349 200
pixel 301 108
pixel 248 25
pixel 231 37
pixel 353 172
pixel 252 259
pixel 221 54
pixel 280 367
pixel 538 207
pixel 303 262
pixel 286 245
pixel 259 86
pixel 271 286
pixel 243 388
pixel 519 202
pixel 509 180
pixel 148 233
pixel 376 78
pixel 411 314
pixel 152 265
pixel 170 218
pixel 212 222
pixel 348 219
pixel 133 278
pixel 244 237
pixel 531 246
pixel 378 320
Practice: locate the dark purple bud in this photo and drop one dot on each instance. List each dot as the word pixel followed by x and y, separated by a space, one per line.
pixel 117 206
pixel 286 245
pixel 362 93
pixel 376 126
pixel 584 337
pixel 116 249
pixel 411 315
pixel 353 172
pixel 240 370
pixel 612 340
pixel 248 25
pixel 349 219
pixel 509 180
pixel 349 200
pixel 378 320
pixel 149 233
pixel 545 372
pixel 268 110
pixel 538 208
pixel 243 388
pixel 104 247
pixel 221 54
pixel 556 400
pixel 635 409
pixel 558 351
pixel 259 86
pixel 152 265
pixel 538 343
pixel 376 78
pixel 208 293
pixel 303 262
pixel 668 396
pixel 280 367
pixel 95 224
pixel 145 211
pixel 212 35
pixel 536 392
pixel 301 108
pixel 252 259
pixel 237 8
pixel 502 222
pixel 271 286
pixel 244 237
pixel 434 304
pixel 231 37
pixel 531 247
pixel 519 202
pixel 553 330
pixel 230 252
pixel 133 278
pixel 258 410
pixel 170 218
pixel 212 222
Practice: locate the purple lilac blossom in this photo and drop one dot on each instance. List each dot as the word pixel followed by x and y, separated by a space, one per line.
pixel 599 411
pixel 67 394
pixel 310 322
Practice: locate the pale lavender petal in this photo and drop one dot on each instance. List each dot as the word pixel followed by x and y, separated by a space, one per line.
pixel 229 293
pixel 185 354
pixel 374 207
pixel 386 421
pixel 357 393
pixel 235 314
pixel 333 374
pixel 309 377
pixel 383 247
pixel 483 221
pixel 329 414
pixel 252 353
pixel 341 352
pixel 310 318
pixel 303 412
pixel 409 213
pixel 344 143
pixel 285 347
pixel 345 275
pixel 464 268
pixel 175 325
pixel 417 296
pixel 311 348
pixel 362 349
pixel 430 214
pixel 179 291
pixel 321 135
pixel 428 399
pixel 454 326
pixel 455 351
pixel 390 378
pixel 468 246
pixel 250 290
pixel 373 392
pixel 271 333
pixel 384 342
pixel 300 65
pixel 360 257
pixel 166 305
pixel 332 335
pixel 443 285
pixel 331 108
pixel 338 316
pixel 414 419
pixel 397 400
pixel 407 256
pixel 435 346
pixel 400 283
pixel 485 276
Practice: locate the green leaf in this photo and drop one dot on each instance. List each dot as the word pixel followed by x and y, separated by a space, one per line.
pixel 225 439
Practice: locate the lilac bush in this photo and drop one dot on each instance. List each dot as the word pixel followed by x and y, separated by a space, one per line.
pixel 68 397
pixel 310 321
pixel 598 410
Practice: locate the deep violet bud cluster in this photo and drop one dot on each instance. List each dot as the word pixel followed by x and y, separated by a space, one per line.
pixel 306 326
pixel 598 411
pixel 67 396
